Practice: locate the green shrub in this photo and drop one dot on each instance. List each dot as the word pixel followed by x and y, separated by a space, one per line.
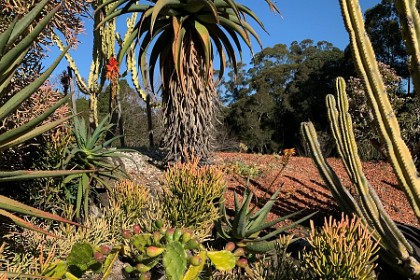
pixel 341 250
pixel 192 195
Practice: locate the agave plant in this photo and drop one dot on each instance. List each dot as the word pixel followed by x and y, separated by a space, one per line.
pixel 246 226
pixel 91 152
pixel 183 36
pixel 14 44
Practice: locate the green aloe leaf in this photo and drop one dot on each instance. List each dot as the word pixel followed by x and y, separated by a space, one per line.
pixel 223 260
pixel 24 22
pixel 31 134
pixel 23 129
pixel 17 99
pixel 8 60
pixel 8 176
pixel 16 206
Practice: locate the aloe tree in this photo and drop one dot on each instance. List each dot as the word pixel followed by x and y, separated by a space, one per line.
pixel 181 37
pixel 14 44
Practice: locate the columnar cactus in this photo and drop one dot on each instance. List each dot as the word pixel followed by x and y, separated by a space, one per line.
pixel 395 248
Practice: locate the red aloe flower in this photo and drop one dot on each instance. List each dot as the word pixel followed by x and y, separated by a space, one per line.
pixel 112 69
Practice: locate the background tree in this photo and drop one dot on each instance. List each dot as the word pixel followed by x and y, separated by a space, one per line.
pixel 284 86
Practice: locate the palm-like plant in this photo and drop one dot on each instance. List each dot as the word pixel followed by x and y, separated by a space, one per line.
pixel 181 36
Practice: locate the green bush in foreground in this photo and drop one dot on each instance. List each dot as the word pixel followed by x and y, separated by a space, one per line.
pixel 192 195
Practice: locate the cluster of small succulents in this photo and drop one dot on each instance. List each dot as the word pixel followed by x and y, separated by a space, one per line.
pixel 178 251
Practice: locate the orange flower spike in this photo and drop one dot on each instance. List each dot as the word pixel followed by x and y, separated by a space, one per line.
pixel 113 69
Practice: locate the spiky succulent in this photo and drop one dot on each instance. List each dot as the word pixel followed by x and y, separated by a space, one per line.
pixel 246 226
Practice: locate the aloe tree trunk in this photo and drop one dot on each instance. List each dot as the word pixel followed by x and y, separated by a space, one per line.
pixel 189 116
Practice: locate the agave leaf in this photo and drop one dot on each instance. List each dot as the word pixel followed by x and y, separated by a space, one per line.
pixel 32 133
pixel 260 247
pixel 7 176
pixel 254 228
pixel 9 204
pixel 283 229
pixel 19 131
pixel 17 99
pixel 97 133
pixel 260 216
pixel 239 222
pixel 9 58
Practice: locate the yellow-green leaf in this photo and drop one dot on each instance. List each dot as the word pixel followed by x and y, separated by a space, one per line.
pixel 222 260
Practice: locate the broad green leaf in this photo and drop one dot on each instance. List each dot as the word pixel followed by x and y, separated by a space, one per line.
pixel 223 260
pixel 175 261
pixel 81 256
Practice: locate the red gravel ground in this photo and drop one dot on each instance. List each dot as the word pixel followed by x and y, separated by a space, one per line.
pixel 302 187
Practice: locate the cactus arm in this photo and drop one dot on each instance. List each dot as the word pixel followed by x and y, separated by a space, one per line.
pixel 374 212
pixel 364 57
pixel 410 23
pixel 80 83
pixel 339 192
pixel 131 58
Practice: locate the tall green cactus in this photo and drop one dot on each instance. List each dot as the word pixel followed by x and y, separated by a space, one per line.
pixel 395 248
pixel 386 122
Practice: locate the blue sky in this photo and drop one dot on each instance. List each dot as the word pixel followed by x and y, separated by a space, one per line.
pixel 301 19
